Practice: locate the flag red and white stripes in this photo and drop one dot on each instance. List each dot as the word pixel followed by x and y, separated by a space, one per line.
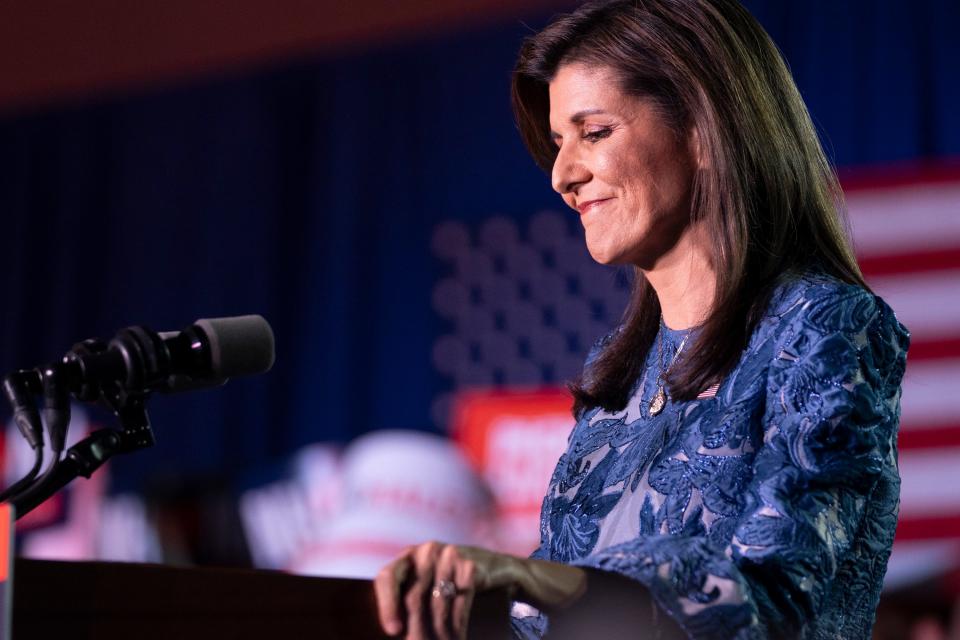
pixel 906 230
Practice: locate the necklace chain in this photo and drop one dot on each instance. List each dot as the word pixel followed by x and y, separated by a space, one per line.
pixel 659 400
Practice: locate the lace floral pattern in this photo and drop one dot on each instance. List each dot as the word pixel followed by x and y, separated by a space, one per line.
pixel 765 511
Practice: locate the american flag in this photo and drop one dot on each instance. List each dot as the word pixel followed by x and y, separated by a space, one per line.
pixel 906 231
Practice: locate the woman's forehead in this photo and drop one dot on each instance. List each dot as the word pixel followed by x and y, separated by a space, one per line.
pixel 579 90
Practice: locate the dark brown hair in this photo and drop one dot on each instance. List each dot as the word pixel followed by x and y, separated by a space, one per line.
pixel 767 195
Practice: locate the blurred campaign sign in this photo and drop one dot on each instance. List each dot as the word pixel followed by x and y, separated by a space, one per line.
pixel 400 488
pixel 906 230
pixel 348 512
pixel 514 438
pixel 284 517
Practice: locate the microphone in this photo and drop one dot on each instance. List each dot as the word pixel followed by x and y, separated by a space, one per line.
pixel 204 354
pixel 123 373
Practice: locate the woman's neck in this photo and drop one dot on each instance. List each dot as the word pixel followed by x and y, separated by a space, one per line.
pixel 685 281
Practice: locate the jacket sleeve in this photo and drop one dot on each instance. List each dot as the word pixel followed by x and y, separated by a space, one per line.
pixel 826 465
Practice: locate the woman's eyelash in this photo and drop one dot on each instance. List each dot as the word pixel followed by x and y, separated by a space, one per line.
pixel 596 134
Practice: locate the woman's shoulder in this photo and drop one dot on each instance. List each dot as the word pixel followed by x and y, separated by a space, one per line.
pixel 814 308
pixel 798 291
pixel 825 302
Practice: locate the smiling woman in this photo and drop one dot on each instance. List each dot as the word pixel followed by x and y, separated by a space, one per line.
pixel 733 458
pixel 621 165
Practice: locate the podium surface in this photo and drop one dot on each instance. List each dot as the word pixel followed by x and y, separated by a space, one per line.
pixel 120 600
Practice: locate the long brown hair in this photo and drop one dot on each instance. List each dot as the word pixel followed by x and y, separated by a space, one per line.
pixel 767 196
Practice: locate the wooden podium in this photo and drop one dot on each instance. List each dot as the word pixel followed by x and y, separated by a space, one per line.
pixel 105 600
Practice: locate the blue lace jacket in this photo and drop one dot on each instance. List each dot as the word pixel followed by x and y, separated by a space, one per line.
pixel 767 510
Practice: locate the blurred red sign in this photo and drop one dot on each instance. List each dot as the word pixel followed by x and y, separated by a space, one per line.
pixel 514 438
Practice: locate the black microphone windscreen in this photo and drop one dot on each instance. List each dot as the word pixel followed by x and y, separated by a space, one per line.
pixel 239 346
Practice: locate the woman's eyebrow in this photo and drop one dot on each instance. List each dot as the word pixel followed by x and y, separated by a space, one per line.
pixel 583 113
pixel 577 118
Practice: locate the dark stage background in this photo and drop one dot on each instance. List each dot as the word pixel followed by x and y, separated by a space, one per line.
pixel 310 188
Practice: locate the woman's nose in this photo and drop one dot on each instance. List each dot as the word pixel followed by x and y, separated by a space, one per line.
pixel 569 172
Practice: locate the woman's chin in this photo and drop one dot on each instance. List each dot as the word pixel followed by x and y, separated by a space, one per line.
pixel 605 255
pixel 598 256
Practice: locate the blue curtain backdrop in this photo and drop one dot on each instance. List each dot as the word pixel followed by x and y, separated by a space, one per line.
pixel 309 192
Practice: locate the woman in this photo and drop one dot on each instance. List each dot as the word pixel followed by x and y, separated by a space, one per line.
pixel 734 453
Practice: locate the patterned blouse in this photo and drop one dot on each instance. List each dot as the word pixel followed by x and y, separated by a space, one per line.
pixel 767 509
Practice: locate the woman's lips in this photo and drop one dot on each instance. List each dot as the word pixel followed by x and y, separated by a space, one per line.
pixel 584 207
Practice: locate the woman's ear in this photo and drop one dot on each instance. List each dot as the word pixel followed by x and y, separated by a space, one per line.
pixel 697 149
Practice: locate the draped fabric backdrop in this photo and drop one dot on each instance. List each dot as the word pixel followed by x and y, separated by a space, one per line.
pixel 311 192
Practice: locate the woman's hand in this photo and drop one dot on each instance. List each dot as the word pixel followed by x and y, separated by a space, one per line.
pixel 428 591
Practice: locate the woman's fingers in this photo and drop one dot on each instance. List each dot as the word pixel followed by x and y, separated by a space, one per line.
pixel 466 589
pixel 387 586
pixel 444 592
pixel 418 595
pixel 428 591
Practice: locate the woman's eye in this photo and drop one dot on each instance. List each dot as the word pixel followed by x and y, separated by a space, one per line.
pixel 594 135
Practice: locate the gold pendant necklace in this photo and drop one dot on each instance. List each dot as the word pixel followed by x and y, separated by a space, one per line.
pixel 659 400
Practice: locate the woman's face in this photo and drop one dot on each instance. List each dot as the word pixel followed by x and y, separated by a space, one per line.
pixel 620 165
